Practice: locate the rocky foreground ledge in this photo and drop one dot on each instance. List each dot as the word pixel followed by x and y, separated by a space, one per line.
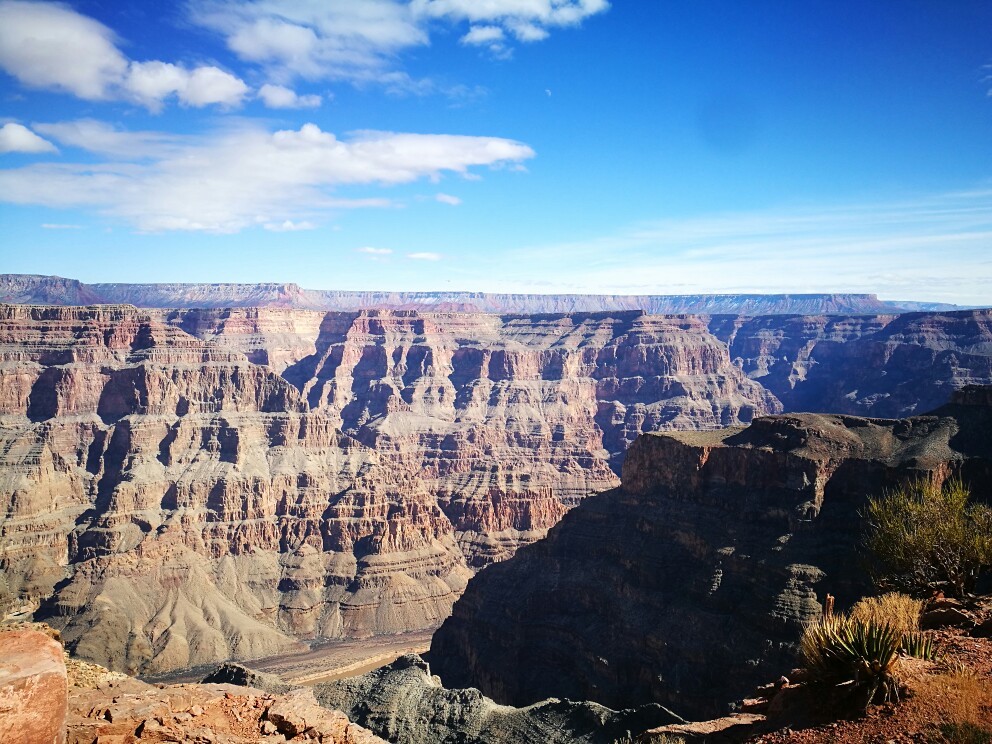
pixel 46 698
pixel 690 584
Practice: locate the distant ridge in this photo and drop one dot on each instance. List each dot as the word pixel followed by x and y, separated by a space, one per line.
pixel 54 290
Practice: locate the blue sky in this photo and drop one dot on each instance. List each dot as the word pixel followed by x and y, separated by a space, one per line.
pixel 502 145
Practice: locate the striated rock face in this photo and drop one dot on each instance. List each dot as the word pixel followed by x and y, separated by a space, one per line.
pixel 177 504
pixel 864 365
pixel 512 417
pixel 33 688
pixel 403 703
pixel 276 339
pixel 692 581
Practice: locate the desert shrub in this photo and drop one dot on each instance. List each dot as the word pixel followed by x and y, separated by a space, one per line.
pixel 924 537
pixel 854 654
pixel 900 611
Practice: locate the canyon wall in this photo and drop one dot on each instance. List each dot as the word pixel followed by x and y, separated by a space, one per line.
pixel 54 290
pixel 691 582
pixel 184 485
pixel 173 503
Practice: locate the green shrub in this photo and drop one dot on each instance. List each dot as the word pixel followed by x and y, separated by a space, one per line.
pixel 925 537
pixel 858 655
pixel 918 645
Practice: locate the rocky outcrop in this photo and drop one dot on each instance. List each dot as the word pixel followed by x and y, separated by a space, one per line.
pixel 132 711
pixel 692 581
pixel 404 703
pixel 35 289
pixel 33 688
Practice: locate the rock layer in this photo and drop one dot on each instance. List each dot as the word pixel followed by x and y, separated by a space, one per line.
pixel 692 581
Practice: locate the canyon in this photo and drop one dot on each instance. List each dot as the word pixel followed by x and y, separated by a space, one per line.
pixel 185 485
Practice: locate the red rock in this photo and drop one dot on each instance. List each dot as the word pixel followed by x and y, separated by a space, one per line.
pixel 944 617
pixel 33 689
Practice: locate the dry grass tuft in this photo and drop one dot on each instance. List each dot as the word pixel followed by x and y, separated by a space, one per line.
pixel 900 611
pixel 962 701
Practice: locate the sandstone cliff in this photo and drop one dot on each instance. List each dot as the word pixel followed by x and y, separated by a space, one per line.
pixel 690 583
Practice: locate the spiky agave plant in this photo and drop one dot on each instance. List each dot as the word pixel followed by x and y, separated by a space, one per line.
pixel 918 645
pixel 857 654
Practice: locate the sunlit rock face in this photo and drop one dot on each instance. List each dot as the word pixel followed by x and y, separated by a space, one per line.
pixel 185 485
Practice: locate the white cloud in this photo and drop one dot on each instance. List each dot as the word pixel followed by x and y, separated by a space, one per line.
pixel 289 226
pixel 208 85
pixel 337 39
pixel 360 41
pixel 279 97
pixel 18 138
pixel 226 181
pixel 425 256
pixel 103 139
pixel 151 82
pixel 492 20
pixel 49 45
pixel 375 251
pixel 56 226
pixel 448 199
pixel 483 35
pixel 525 31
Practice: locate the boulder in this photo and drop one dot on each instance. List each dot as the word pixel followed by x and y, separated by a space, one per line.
pixel 33 689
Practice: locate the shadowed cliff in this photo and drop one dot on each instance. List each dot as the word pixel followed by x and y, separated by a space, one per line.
pixel 690 583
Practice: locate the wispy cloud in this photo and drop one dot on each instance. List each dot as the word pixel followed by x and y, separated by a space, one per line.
pixel 425 256
pixel 375 251
pixel 228 180
pixel 925 248
pixel 448 199
pixel 56 226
